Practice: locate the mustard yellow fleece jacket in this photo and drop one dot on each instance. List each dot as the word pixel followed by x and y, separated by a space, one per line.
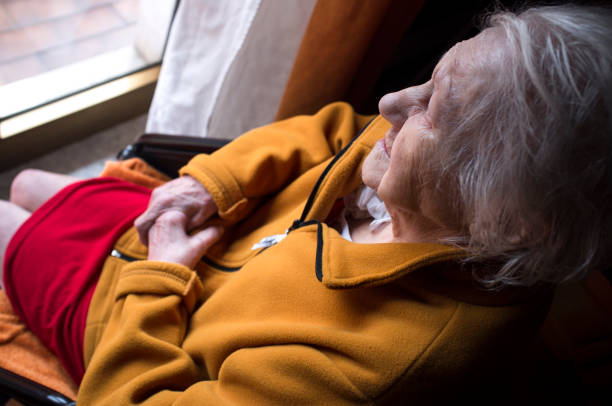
pixel 312 320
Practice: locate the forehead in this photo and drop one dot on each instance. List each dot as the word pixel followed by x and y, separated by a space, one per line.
pixel 461 73
pixel 465 55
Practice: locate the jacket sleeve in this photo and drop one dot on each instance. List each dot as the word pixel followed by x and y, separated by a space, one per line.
pixel 264 160
pixel 140 359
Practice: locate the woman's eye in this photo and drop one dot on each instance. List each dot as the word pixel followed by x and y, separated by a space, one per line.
pixel 429 120
pixel 425 119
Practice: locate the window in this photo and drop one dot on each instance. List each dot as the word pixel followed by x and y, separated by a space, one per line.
pixel 56 51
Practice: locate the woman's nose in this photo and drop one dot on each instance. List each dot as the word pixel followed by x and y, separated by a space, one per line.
pixel 392 108
pixel 397 107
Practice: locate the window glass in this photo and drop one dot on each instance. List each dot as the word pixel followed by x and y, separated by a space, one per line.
pixel 50 49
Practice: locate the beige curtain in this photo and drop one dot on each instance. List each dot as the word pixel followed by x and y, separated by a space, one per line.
pixel 226 65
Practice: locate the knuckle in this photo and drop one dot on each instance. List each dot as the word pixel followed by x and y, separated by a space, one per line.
pixel 163 199
pixel 142 222
pixel 156 192
pixel 171 217
pixel 139 221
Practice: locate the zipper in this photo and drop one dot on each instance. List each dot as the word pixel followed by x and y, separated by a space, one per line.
pixel 118 254
pixel 220 267
pixel 301 222
pixel 319 253
pixel 121 255
pixel 311 198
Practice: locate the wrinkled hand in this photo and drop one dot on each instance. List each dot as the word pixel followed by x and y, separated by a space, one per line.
pixel 169 241
pixel 185 195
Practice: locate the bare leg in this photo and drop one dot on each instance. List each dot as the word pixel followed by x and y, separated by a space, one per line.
pixel 32 187
pixel 11 217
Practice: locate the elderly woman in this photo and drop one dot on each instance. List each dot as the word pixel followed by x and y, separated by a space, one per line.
pixel 269 274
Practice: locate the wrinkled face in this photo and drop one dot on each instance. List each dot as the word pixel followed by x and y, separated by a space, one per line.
pixel 418 115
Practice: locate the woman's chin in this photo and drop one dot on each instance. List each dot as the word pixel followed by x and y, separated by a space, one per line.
pixel 374 167
pixel 370 182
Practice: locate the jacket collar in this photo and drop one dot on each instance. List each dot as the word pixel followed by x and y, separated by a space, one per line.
pixel 372 264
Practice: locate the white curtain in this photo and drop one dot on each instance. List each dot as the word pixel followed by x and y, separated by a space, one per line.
pixel 226 65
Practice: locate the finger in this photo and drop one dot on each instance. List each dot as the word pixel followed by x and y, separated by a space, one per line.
pixel 199 218
pixel 204 239
pixel 143 224
pixel 157 206
pixel 159 201
pixel 168 228
pixel 172 222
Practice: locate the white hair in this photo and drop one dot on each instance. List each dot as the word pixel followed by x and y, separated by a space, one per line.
pixel 530 153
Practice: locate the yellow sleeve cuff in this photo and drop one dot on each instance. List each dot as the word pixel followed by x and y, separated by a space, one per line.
pixel 160 278
pixel 221 185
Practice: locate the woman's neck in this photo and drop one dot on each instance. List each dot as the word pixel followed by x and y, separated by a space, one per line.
pixel 362 233
pixel 405 226
pixel 411 226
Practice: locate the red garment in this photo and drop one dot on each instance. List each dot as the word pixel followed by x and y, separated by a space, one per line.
pixel 53 261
